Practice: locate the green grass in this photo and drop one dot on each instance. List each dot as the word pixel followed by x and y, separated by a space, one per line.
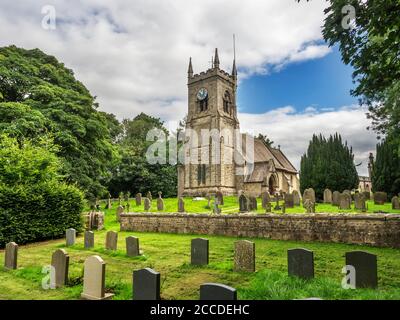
pixel 170 255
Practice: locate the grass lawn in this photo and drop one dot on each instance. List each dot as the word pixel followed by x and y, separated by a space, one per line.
pixel 170 255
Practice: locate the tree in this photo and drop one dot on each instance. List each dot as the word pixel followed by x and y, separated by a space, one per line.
pixel 328 163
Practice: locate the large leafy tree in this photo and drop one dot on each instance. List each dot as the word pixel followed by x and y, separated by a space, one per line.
pixel 328 163
pixel 40 96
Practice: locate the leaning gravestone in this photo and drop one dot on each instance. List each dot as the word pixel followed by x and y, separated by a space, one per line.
pixel 149 196
pixel 336 198
pixel 199 252
pixel 296 198
pixel 70 236
pixel 132 246
pixel 395 203
pixel 216 291
pixel 359 202
pixel 11 255
pixel 220 197
pixel 181 205
pixel 120 210
pixel 345 201
pixel 265 199
pixel 111 240
pixel 245 258
pixel 243 203
pixel 94 279
pixel 301 263
pixel 366 268
pixel 146 285
pixel 60 263
pixel 138 199
pixel 160 202
pixel 147 204
pixel 89 239
pixel 327 196
pixel 309 194
pixel 289 200
pixel 380 198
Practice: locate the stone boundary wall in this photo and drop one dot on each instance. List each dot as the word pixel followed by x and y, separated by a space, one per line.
pixel 375 230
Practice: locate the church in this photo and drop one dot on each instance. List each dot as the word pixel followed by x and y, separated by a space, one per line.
pixel 212 107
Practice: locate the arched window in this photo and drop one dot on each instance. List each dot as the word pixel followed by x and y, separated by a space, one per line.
pixel 227 102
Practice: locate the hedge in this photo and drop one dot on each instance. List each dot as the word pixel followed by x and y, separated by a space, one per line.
pixel 39 212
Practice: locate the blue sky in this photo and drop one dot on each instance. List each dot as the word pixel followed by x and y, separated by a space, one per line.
pixel 321 83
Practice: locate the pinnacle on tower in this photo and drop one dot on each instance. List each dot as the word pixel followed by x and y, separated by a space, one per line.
pixel 190 70
pixel 216 59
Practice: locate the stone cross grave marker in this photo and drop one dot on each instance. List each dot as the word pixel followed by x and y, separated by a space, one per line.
pixel 327 196
pixel 60 263
pixel 88 239
pixel 301 263
pixel 70 236
pixel 245 256
pixel 366 267
pixel 199 251
pixel 146 284
pixel 94 279
pixel 138 199
pixel 132 246
pixel 111 240
pixel 216 291
pixel 11 256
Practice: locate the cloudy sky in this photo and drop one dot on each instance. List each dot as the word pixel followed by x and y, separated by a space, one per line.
pixel 133 56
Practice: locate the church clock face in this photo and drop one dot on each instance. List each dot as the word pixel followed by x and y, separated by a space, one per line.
pixel 202 94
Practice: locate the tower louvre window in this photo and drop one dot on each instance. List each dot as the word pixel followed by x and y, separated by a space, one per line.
pixel 203 105
pixel 227 102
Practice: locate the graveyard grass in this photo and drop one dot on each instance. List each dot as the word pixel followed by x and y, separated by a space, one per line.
pixel 170 255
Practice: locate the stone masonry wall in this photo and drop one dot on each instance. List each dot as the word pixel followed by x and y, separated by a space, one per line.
pixel 375 230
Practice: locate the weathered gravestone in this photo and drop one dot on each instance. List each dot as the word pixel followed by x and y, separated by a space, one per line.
pixel 296 198
pixel 70 236
pixel 11 256
pixel 132 246
pixel 120 210
pixel 160 202
pixel 245 256
pixel 301 263
pixel 138 199
pixel 199 252
pixel 309 194
pixel 289 200
pixel 60 263
pixel 367 195
pixel 94 220
pixel 220 197
pixel 243 203
pixel 94 279
pixel 147 204
pixel 252 203
pixel 395 203
pixel 146 285
pixel 366 268
pixel 181 205
pixel 359 202
pixel 216 291
pixel 89 239
pixel 265 199
pixel 111 240
pixel 345 201
pixel 327 196
pixel 380 198
pixel 149 196
pixel 336 198
pixel 309 206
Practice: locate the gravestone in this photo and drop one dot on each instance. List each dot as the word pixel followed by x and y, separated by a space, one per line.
pixel 289 200
pixel 367 195
pixel 347 192
pixel 309 194
pixel 380 198
pixel 301 263
pixel 277 206
pixel 245 258
pixel 60 263
pixel 208 206
pixel 149 196
pixel 89 239
pixel 309 206
pixel 243 203
pixel 199 252
pixel 265 199
pixel 366 267
pixel 216 209
pixel 111 240
pixel 296 198
pixel 138 199
pixel 147 204
pixel 252 203
pixel 94 279
pixel 220 197
pixel 345 201
pixel 70 236
pixel 132 246
pixel 11 256
pixel 160 202
pixel 395 203
pixel 94 221
pixel 146 284
pixel 120 210
pixel 216 291
pixel 336 198
pixel 327 196
pixel 359 202
pixel 181 205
